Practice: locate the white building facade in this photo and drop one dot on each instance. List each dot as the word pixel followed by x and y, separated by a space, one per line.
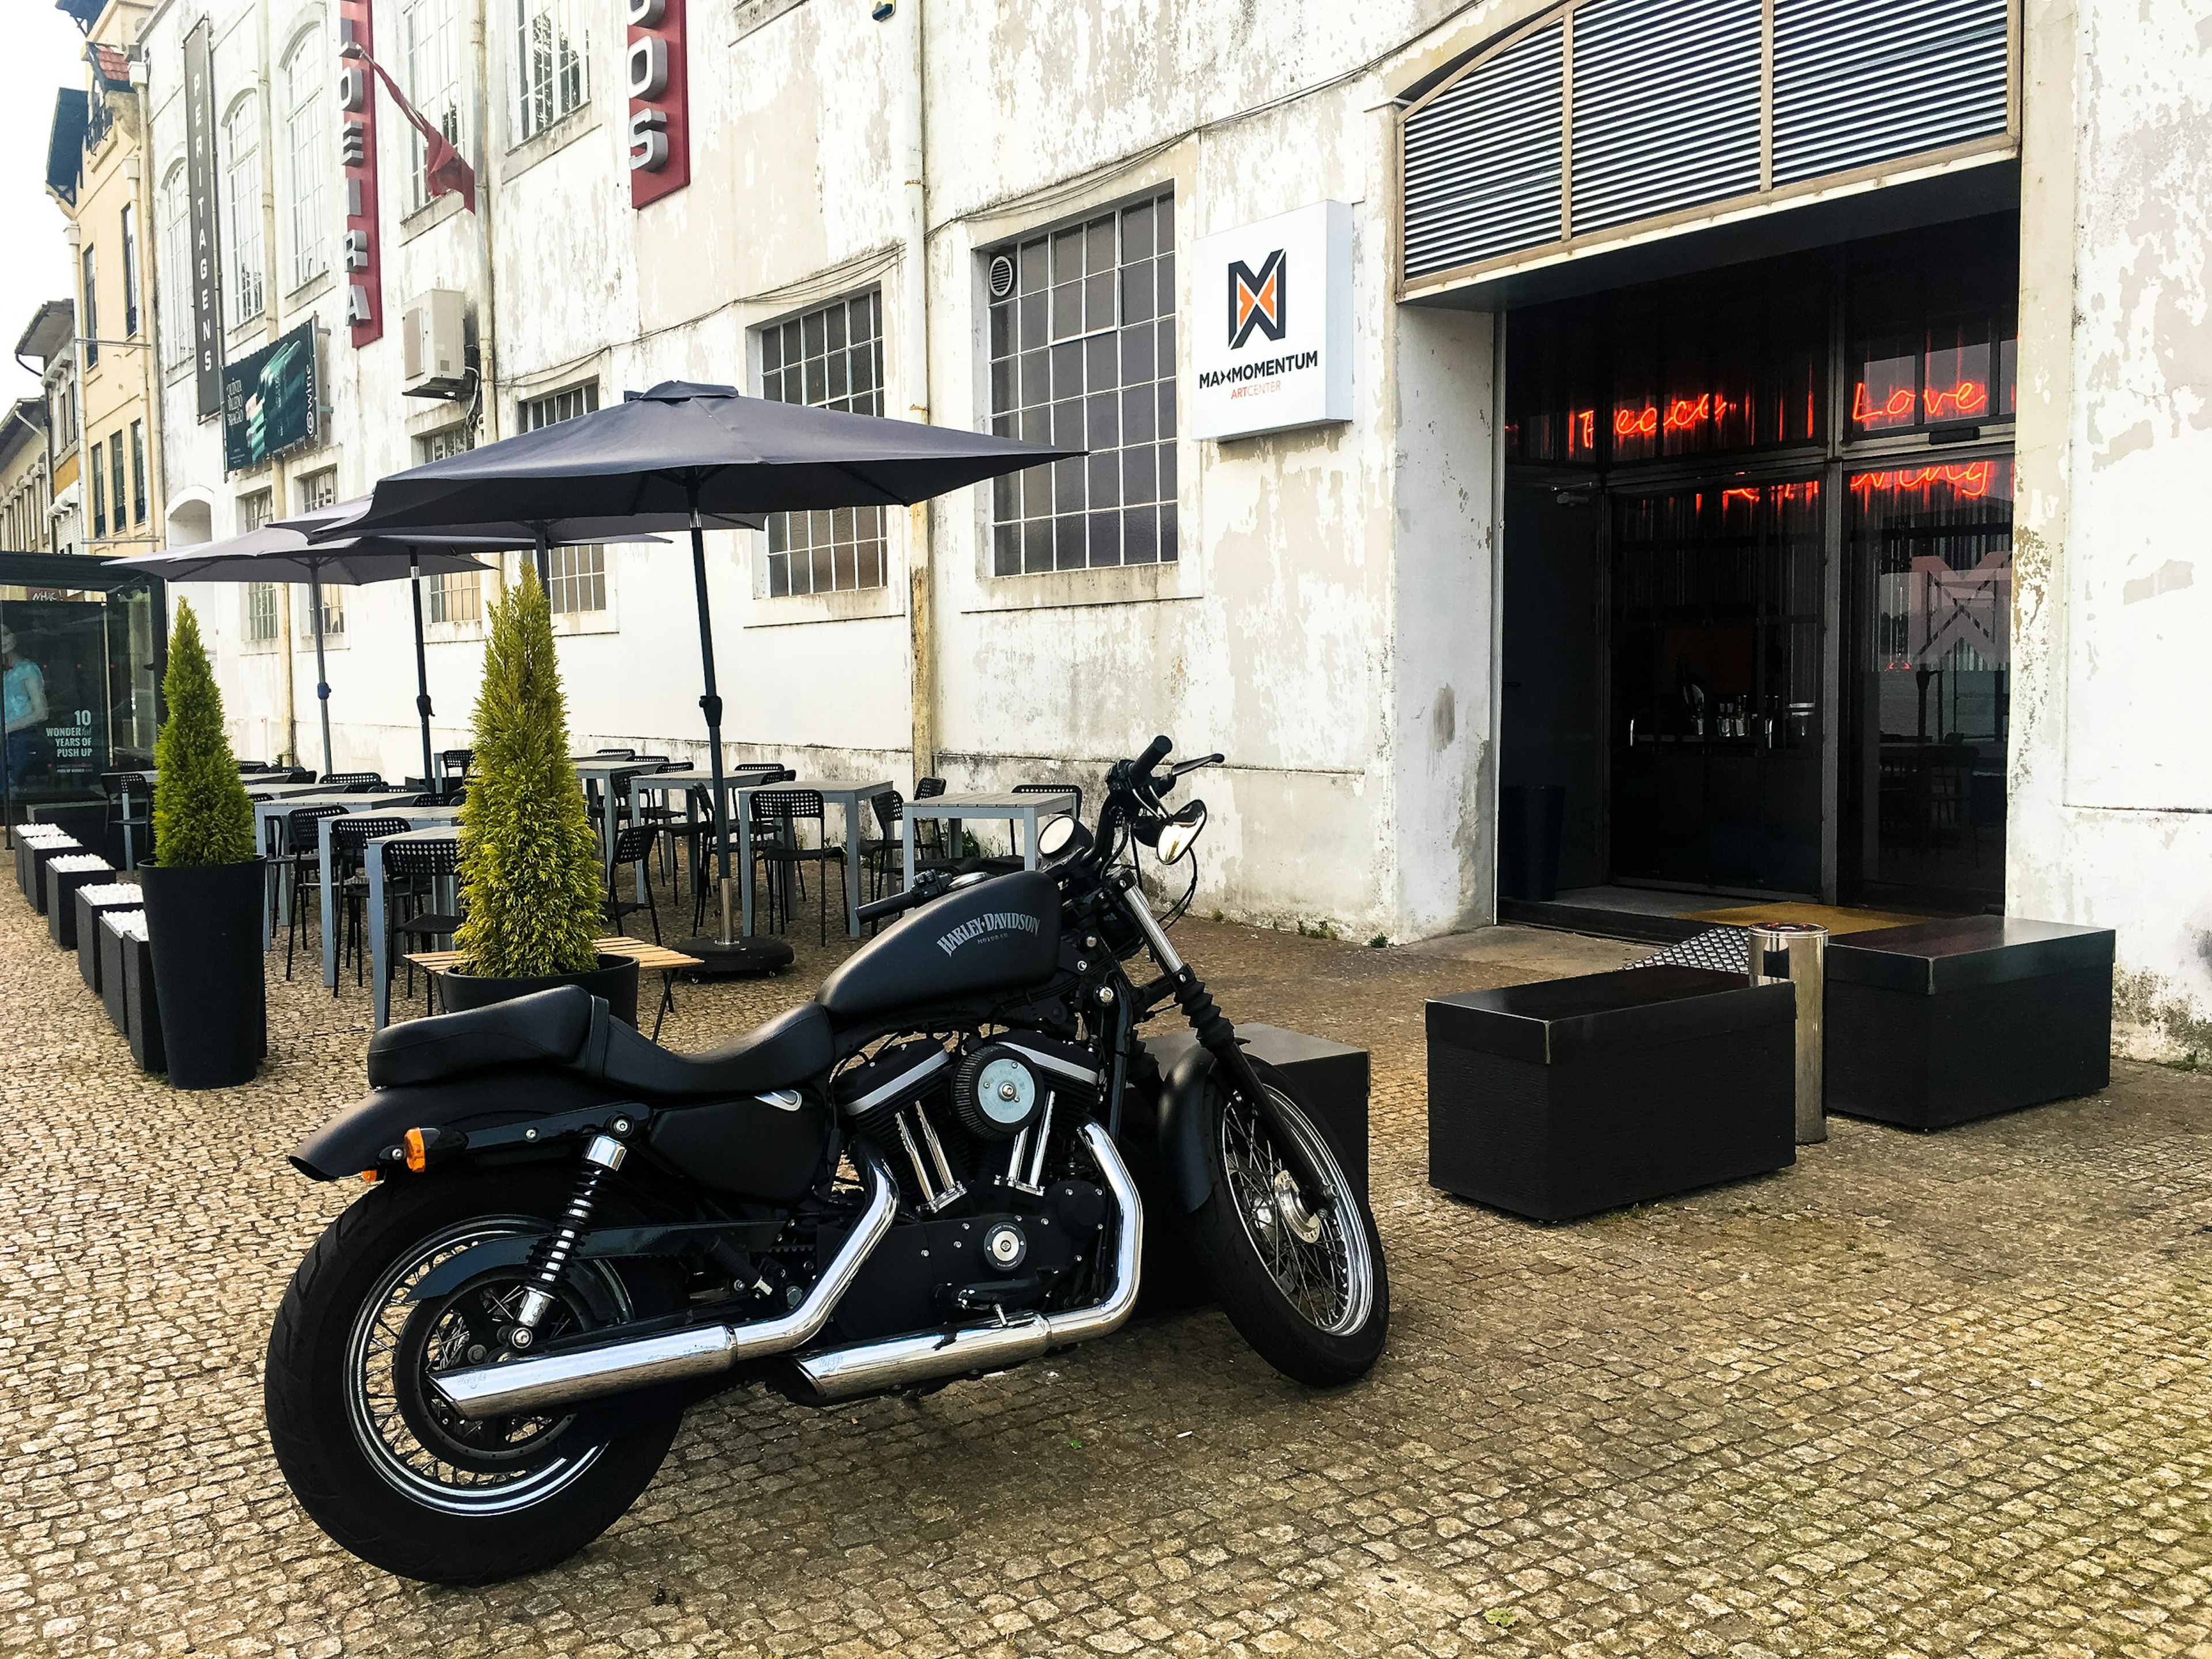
pixel 1319 506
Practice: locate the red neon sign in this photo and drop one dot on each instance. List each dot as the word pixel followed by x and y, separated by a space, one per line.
pixel 1970 479
pixel 1808 491
pixel 1963 399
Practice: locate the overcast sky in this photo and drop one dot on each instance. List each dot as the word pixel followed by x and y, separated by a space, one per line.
pixel 44 51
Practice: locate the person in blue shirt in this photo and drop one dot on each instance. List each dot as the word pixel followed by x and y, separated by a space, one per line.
pixel 24 693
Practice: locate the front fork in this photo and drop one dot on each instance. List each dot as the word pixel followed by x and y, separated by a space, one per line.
pixel 1218 1038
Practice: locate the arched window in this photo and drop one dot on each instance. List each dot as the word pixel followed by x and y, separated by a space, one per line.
pixel 176 253
pixel 241 143
pixel 307 97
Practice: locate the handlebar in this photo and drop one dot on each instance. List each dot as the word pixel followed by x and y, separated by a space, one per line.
pixel 897 903
pixel 1157 752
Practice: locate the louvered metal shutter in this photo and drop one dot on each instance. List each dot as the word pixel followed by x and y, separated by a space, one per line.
pixel 1857 81
pixel 1666 99
pixel 1482 162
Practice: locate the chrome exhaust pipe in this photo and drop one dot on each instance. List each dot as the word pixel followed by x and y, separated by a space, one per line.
pixel 875 1367
pixel 546 1381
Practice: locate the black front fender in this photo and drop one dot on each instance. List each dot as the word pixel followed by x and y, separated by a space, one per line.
pixel 353 1138
pixel 1186 1114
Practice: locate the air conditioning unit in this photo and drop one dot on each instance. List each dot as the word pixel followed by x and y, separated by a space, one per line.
pixel 434 351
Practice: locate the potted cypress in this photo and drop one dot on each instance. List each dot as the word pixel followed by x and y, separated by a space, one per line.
pixel 203 891
pixel 529 861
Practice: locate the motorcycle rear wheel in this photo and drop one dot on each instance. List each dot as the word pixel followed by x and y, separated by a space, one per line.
pixel 1301 1276
pixel 378 1460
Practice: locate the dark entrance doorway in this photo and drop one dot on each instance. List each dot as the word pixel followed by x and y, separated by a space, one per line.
pixel 1757 574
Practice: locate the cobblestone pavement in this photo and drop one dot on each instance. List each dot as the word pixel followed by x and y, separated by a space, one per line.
pixel 1932 1395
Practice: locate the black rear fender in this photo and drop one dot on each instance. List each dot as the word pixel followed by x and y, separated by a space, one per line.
pixel 354 1138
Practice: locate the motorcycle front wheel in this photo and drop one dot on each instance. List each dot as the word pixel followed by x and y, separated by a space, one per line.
pixel 377 1458
pixel 1300 1275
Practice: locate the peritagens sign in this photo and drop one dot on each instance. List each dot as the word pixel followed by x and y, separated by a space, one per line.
pixel 199 188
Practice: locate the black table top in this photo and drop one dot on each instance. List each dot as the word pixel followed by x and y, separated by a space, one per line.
pixel 1958 950
pixel 1551 1019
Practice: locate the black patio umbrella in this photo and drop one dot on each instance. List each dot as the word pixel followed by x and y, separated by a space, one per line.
pixel 701 457
pixel 281 552
pixel 331 526
pixel 274 554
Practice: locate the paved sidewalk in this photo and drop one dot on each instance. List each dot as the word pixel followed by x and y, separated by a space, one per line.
pixel 1928 1395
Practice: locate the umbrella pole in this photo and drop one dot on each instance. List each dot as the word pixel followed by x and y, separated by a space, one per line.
pixel 726 952
pixel 322 679
pixel 545 563
pixel 422 667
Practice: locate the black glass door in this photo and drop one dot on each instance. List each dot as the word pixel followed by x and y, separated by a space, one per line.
pixel 1716 723
pixel 1927 664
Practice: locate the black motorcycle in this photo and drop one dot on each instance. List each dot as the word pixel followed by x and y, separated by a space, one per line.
pixel 939 1167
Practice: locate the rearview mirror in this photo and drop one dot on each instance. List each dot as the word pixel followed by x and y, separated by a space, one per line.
pixel 1180 832
pixel 1061 836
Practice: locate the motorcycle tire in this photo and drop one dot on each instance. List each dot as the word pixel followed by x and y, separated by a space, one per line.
pixel 379 1478
pixel 1316 1307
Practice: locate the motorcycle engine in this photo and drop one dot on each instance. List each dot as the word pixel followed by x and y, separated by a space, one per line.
pixel 994 1213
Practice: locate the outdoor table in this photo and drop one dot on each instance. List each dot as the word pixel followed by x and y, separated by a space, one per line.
pixel 147 775
pixel 597 772
pixel 850 796
pixel 439 829
pixel 415 818
pixel 685 780
pixel 269 816
pixel 952 809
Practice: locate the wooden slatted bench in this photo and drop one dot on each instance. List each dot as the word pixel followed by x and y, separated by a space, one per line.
pixel 651 959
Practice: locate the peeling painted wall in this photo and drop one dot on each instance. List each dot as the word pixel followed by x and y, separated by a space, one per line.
pixel 1328 624
pixel 2111 787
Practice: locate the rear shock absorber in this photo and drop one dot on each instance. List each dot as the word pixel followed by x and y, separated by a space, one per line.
pixel 550 1259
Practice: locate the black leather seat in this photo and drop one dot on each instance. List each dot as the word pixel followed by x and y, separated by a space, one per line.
pixel 572 1029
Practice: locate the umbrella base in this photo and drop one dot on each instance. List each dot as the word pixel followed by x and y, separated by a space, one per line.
pixel 719 958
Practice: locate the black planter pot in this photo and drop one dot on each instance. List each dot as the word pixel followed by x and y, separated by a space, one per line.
pixel 615 979
pixel 204 922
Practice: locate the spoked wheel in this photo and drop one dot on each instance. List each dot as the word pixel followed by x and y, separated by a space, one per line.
pixel 370 1449
pixel 1300 1273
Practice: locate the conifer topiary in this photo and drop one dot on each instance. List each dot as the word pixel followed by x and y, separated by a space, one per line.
pixel 202 814
pixel 529 861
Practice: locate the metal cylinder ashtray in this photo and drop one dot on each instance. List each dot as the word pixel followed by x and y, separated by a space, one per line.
pixel 1798 952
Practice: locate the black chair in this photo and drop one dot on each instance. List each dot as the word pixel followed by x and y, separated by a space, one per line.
pixel 414 868
pixel 453 764
pixel 778 818
pixel 253 766
pixel 697 833
pixel 634 845
pixel 304 861
pixel 350 837
pixel 353 783
pixel 614 754
pixel 885 854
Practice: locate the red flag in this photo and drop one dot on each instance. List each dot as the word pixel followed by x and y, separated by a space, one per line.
pixel 443 167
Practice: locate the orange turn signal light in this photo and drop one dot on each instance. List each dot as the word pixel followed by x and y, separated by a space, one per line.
pixel 371 1176
pixel 419 1155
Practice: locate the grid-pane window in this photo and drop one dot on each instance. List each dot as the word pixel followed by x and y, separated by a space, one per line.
pixel 1083 355
pixel 242 195
pixel 832 358
pixel 431 40
pixel 137 471
pixel 175 270
pixel 552 51
pixel 306 92
pixel 265 604
pixel 319 490
pixel 456 596
pixel 579 580
pixel 579 574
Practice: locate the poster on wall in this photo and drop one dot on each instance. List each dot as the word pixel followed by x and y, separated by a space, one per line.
pixel 1271 333
pixel 268 401
pixel 53 672
pixel 205 275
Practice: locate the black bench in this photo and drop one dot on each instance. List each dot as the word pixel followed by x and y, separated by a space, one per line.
pixel 1571 1096
pixel 31 856
pixel 1940 1021
pixel 126 977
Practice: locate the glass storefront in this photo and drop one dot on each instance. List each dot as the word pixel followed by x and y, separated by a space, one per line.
pixel 82 674
pixel 1766 510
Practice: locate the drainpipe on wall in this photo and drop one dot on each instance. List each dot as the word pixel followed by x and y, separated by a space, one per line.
pixel 910 157
pixel 487 379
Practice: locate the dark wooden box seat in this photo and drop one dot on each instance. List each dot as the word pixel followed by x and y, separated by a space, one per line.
pixel 1941 1022
pixel 90 903
pixel 31 858
pixel 61 894
pixel 1326 1076
pixel 1571 1096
